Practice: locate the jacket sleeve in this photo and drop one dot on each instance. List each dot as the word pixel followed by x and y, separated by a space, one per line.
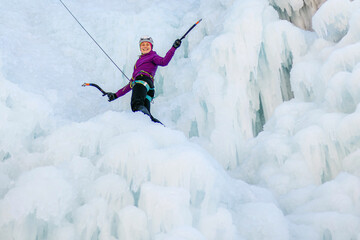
pixel 123 90
pixel 163 61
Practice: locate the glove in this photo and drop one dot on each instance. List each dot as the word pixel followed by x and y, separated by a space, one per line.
pixel 111 96
pixel 177 43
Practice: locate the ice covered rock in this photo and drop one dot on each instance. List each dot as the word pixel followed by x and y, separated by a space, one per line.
pixel 299 12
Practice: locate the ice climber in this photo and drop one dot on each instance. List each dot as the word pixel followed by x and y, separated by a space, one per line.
pixel 142 81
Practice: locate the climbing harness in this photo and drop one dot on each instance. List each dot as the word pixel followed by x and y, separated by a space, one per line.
pixel 146 85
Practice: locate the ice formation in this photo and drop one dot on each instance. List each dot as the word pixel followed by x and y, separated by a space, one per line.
pixel 262 138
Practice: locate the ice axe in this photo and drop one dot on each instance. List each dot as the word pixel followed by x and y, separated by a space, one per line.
pixel 190 29
pixel 95 85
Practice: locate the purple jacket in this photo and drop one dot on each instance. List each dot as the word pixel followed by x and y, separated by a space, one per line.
pixel 147 65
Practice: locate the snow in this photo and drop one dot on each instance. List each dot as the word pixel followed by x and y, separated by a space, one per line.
pixel 332 25
pixel 261 138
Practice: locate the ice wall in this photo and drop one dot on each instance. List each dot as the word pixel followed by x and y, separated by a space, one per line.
pixel 116 176
pixel 315 134
pixel 73 166
pixel 236 76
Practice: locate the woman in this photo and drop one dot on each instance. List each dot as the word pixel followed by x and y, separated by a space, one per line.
pixel 142 81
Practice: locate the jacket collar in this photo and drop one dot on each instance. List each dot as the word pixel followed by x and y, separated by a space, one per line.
pixel 149 53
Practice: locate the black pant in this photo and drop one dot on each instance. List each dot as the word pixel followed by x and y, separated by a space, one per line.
pixel 139 102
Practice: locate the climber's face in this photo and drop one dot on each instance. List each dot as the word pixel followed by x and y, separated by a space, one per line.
pixel 145 47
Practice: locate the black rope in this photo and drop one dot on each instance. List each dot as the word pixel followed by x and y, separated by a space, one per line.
pixel 93 39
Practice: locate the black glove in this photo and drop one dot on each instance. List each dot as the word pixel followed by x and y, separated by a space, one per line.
pixel 111 96
pixel 177 43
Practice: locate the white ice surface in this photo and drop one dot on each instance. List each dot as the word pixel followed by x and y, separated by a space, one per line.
pixel 262 138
